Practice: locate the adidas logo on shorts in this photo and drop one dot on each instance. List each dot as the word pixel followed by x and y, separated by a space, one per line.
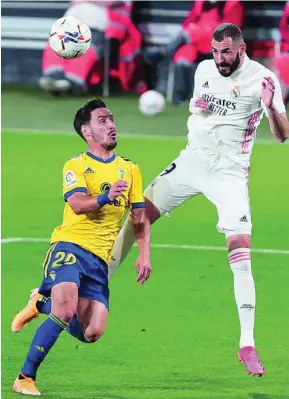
pixel 244 219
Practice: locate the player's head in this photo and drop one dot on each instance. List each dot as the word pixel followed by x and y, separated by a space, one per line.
pixel 94 123
pixel 228 48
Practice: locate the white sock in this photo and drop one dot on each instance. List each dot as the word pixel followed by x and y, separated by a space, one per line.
pixel 122 245
pixel 244 288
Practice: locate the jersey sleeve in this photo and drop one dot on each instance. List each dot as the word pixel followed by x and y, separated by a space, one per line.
pixel 197 90
pixel 278 98
pixel 73 178
pixel 136 197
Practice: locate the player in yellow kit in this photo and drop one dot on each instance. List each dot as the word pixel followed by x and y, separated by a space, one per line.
pixel 99 187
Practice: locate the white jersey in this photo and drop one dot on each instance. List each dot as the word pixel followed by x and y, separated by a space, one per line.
pixel 236 109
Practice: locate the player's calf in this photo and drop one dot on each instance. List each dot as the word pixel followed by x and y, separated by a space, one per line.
pixel 92 315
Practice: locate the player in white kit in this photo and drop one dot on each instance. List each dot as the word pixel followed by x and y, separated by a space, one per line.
pixel 231 94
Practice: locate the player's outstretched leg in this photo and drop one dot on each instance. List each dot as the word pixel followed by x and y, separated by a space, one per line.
pixel 126 237
pixel 244 289
pixel 64 299
pixel 39 304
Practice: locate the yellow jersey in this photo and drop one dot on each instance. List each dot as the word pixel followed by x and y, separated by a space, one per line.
pixel 96 231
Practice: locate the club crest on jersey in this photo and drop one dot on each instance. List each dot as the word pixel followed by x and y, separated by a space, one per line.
pixel 104 188
pixel 236 92
pixel 70 178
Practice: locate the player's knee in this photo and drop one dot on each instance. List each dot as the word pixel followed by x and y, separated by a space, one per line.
pixel 65 315
pixel 93 334
pixel 64 310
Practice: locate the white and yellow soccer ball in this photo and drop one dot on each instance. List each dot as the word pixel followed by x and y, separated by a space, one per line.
pixel 151 103
pixel 69 37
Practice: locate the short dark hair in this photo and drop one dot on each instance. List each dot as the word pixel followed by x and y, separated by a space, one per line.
pixel 226 30
pixel 83 114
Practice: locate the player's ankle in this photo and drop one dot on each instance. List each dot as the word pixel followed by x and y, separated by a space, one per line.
pixel 23 376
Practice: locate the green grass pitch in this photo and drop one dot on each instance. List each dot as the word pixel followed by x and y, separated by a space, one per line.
pixel 177 336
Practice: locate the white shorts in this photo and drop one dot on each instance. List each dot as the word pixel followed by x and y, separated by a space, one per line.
pixel 195 172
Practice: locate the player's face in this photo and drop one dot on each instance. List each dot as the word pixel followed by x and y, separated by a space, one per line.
pixel 101 129
pixel 227 55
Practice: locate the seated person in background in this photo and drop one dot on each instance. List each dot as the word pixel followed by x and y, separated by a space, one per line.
pixel 108 20
pixel 281 63
pixel 193 43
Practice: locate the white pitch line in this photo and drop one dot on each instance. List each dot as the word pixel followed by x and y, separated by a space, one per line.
pixel 212 248
pixel 151 136
pixel 12 240
pixel 71 133
pixel 23 239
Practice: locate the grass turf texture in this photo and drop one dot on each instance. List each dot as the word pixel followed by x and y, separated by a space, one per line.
pixel 176 337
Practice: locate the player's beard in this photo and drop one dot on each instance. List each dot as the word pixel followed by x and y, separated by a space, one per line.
pixel 110 146
pixel 232 67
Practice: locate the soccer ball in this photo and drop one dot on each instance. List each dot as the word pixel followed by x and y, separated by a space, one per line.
pixel 69 37
pixel 151 102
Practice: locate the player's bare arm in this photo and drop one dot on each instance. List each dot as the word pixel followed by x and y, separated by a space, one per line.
pixel 82 203
pixel 142 228
pixel 278 121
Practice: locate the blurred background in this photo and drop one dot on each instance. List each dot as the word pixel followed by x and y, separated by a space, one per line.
pixel 137 45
